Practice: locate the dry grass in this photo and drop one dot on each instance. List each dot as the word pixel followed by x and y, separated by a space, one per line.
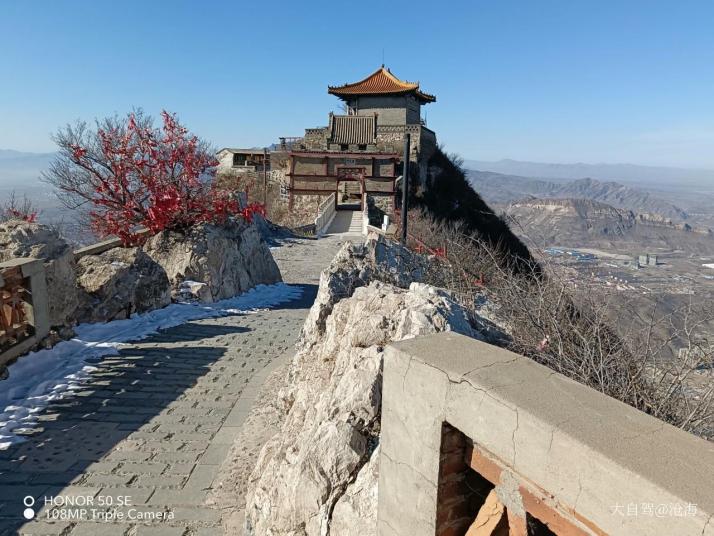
pixel 573 330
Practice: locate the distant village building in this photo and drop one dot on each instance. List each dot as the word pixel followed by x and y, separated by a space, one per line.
pixel 242 160
pixel 647 259
pixel 703 354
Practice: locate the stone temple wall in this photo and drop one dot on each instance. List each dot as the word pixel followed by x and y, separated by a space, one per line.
pixel 315 139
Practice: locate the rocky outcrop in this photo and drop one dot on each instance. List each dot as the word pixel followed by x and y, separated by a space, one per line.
pixel 574 222
pixel 230 258
pixel 318 476
pixel 193 291
pixel 119 282
pixel 355 512
pixel 658 220
pixel 32 240
pixel 355 265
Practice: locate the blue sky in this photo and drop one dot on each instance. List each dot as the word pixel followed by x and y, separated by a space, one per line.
pixel 558 81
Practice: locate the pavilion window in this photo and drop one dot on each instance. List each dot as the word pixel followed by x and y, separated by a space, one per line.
pixel 362 147
pixel 239 159
pixel 344 147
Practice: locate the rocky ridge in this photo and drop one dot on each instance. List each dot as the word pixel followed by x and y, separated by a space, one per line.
pixel 118 283
pixel 318 475
pixel 575 222
pixel 230 259
pixel 207 263
pixel 497 188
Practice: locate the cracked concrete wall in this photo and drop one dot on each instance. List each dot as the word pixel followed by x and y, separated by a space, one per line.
pixel 591 452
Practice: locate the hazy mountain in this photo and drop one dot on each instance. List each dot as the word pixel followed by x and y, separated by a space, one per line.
pixel 20 175
pixel 9 153
pixel 20 170
pixel 630 173
pixel 584 222
pixel 499 188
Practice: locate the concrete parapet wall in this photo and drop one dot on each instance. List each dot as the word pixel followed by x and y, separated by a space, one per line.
pixel 97 248
pixel 326 213
pixel 553 451
pixel 105 245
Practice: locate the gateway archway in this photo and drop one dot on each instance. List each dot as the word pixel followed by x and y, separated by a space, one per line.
pixel 350 188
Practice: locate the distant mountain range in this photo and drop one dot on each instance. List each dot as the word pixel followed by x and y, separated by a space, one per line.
pixel 502 189
pixel 21 170
pixel 584 222
pixel 20 175
pixel 629 173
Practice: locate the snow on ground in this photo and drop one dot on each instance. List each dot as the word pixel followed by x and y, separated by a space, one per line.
pixel 42 377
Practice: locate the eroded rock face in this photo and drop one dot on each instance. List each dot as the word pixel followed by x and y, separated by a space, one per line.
pixel 119 282
pixel 356 511
pixel 355 265
pixel 194 291
pixel 318 476
pixel 33 240
pixel 229 259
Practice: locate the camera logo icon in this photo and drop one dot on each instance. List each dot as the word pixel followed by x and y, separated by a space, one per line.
pixel 29 502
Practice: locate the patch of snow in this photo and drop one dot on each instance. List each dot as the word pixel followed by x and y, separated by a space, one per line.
pixel 45 376
pixel 189 282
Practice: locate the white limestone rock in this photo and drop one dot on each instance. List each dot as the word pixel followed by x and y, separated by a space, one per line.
pixel 193 291
pixel 119 282
pixel 318 476
pixel 33 240
pixel 355 265
pixel 229 259
pixel 355 512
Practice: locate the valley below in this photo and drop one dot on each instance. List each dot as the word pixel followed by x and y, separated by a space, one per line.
pixel 646 254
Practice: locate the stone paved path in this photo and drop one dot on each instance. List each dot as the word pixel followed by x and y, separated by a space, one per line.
pixel 139 445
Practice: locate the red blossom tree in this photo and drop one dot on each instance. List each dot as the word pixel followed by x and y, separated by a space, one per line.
pixel 131 175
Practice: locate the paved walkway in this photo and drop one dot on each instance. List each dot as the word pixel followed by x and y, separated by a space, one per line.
pixel 137 449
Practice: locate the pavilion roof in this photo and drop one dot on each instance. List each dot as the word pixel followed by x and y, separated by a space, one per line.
pixel 380 82
pixel 353 129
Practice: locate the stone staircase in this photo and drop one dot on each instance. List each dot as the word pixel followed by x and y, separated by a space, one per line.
pixel 346 222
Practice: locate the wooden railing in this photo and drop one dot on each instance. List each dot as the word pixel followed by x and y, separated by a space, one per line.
pixel 24 313
pixel 287 143
pixel 14 325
